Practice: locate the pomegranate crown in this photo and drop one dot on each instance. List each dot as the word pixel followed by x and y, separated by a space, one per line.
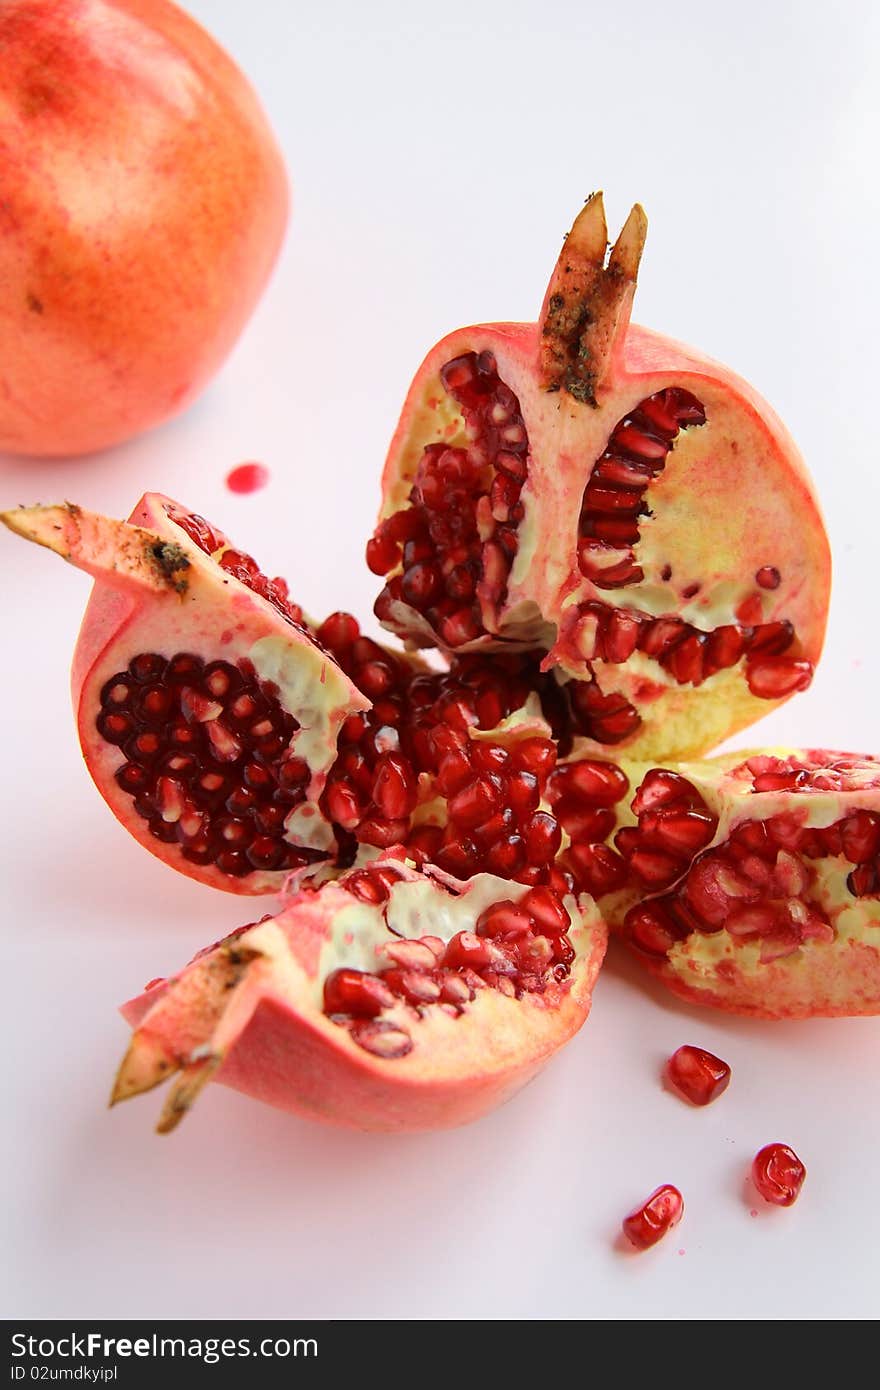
pixel 588 301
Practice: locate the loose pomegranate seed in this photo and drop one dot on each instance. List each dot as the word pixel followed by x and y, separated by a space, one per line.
pixel 697 1074
pixel 247 477
pixel 649 1223
pixel 778 1174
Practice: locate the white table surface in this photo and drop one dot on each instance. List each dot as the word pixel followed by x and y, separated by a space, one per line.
pixel 437 157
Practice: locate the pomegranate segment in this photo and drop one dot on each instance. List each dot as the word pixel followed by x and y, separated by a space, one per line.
pixel 698 1075
pixel 650 1222
pixel 459 533
pixel 778 1174
pixel 208 712
pixel 753 884
pixel 389 999
pixel 586 488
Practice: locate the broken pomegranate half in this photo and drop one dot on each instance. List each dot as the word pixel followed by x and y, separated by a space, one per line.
pixel 207 711
pixel 752 883
pixel 621 504
pixel 387 1000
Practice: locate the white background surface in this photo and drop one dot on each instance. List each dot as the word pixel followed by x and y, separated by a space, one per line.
pixel 437 157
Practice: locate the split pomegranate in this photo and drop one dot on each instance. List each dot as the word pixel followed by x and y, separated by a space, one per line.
pixel 144 201
pixel 593 491
pixel 241 744
pixel 778 1174
pixel 650 1222
pixel 698 1075
pixel 753 884
pixel 387 1000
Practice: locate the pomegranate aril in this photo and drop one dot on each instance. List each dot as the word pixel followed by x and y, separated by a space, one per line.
pixel 699 1075
pixel 649 1223
pixel 414 986
pixel 681 833
pixel 264 852
pixel 550 915
pixel 537 755
pixel 374 830
pixel 863 881
pixel 454 989
pixel 383 1039
pixel 772 680
pixel 724 647
pixel 653 929
pixel 357 992
pixel 584 823
pixel 506 857
pixel 778 1174
pixel 563 951
pixel 468 949
pixel 504 920
pixel 115 727
pixel 860 836
pixel 411 955
pixel 541 837
pixel 474 803
pixel 597 783
pixel 660 787
pixel 147 667
pixel 771 639
pixel 768 577
pixel 597 869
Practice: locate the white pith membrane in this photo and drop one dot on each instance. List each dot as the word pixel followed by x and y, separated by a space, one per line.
pixel 769 972
pixel 198 1020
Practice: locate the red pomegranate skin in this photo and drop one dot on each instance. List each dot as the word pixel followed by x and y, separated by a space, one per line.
pixel 143 202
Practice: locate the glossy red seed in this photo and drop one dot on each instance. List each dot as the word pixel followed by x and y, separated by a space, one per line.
pixel 650 1222
pixel 697 1074
pixel 474 803
pixel 597 783
pixel 778 1174
pixel 504 920
pixel 597 869
pixel 394 786
pixel 356 992
pixel 660 787
pixel 773 680
pixel 651 928
pixel 542 837
pixel 545 907
pixel 247 477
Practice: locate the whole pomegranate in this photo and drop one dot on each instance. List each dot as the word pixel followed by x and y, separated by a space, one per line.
pixel 143 201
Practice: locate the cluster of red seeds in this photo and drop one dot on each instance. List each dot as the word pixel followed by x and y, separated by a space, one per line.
pixel 460 529
pixel 419 726
pixel 514 948
pixel 690 655
pixel 847 773
pixel 235 562
pixel 207 759
pixel 614 497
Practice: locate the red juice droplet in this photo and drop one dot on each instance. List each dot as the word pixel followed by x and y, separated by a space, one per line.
pixel 247 477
